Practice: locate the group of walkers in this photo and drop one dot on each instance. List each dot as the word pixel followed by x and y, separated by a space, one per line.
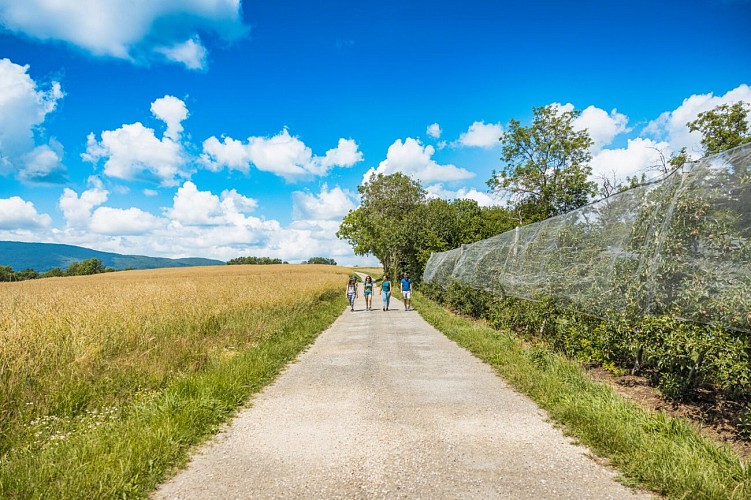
pixel 386 289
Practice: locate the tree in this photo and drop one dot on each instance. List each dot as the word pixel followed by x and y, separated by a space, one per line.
pixel 546 165
pixel 722 128
pixel 381 225
pixel 320 260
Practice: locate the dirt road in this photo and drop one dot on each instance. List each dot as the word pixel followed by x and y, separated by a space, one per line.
pixel 384 406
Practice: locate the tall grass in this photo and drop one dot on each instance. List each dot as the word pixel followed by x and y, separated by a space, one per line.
pixel 664 454
pixel 106 380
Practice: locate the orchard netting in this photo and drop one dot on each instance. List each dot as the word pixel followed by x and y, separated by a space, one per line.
pixel 680 246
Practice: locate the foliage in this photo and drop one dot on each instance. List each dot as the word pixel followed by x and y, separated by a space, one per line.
pixel 108 380
pixel 679 356
pixel 664 454
pixel 254 260
pixel 401 227
pixel 546 165
pixel 722 128
pixel 320 260
pixel 86 267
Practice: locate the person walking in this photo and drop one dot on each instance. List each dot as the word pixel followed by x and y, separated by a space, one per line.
pixel 385 292
pixel 352 293
pixel 406 283
pixel 368 293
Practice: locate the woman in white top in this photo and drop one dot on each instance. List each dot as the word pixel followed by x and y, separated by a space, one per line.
pixel 352 293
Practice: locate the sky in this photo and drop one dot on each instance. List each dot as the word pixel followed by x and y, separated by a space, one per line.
pixel 221 128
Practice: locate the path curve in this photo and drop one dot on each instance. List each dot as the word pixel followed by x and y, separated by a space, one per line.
pixel 382 405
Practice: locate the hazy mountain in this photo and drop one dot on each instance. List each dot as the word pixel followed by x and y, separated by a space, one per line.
pixel 42 257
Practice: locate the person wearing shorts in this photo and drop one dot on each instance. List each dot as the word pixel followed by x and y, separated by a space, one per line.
pixel 406 283
pixel 385 292
pixel 368 293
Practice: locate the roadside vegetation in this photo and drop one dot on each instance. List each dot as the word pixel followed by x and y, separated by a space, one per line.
pixel 83 268
pixel 108 380
pixel 652 450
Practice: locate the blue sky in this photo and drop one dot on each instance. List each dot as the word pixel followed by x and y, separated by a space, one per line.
pixel 217 128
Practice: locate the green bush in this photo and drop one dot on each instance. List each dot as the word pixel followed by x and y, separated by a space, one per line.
pixel 678 356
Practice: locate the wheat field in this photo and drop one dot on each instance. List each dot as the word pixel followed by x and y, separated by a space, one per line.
pixel 76 352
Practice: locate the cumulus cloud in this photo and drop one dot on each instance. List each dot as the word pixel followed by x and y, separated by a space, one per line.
pixel 602 126
pixel 640 156
pixel 77 209
pixel 282 154
pixel 129 221
pixel 412 158
pixel 192 207
pixel 671 127
pixel 17 213
pixel 23 109
pixel 434 131
pixel 133 151
pixel 480 135
pixel 482 198
pixel 135 31
pixel 329 204
pixel 191 53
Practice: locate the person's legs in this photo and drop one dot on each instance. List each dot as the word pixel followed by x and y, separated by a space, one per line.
pixel 351 298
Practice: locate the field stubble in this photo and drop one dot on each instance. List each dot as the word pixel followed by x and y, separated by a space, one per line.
pixel 78 353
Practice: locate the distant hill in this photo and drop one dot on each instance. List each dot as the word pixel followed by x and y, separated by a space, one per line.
pixel 42 257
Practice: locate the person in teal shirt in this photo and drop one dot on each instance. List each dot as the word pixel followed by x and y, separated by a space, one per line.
pixel 407 291
pixel 368 293
pixel 385 292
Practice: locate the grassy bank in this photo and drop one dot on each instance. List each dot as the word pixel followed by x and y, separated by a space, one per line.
pixel 661 453
pixel 108 380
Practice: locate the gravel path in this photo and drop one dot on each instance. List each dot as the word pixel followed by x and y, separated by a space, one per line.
pixel 385 406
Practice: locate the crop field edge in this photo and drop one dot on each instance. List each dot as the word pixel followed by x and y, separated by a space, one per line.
pixel 130 457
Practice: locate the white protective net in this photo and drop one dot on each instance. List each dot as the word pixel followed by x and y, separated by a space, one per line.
pixel 680 246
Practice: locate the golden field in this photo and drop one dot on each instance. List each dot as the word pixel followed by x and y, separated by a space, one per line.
pixel 74 346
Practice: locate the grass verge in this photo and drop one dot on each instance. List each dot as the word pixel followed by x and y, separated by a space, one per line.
pixel 126 455
pixel 652 450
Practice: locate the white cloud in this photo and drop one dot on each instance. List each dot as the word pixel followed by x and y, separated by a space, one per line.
pixel 77 209
pixel 481 135
pixel 191 53
pixel 135 31
pixel 483 199
pixel 150 192
pixel 192 207
pixel 171 111
pixel 328 204
pixel 129 221
pixel 671 126
pixel 412 158
pixel 134 152
pixel 640 156
pixel 282 154
pixel 434 131
pixel 602 126
pixel 17 213
pixel 43 164
pixel 23 109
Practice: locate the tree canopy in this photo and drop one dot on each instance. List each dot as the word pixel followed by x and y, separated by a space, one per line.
pixel 723 127
pixel 546 165
pixel 397 223
pixel 320 260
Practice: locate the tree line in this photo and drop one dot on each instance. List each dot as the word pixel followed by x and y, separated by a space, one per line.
pixel 269 261
pixel 545 173
pixel 85 267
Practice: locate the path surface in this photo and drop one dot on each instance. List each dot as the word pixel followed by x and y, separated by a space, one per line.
pixel 385 406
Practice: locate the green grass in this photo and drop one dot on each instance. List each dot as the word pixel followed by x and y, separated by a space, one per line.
pixel 125 453
pixel 652 450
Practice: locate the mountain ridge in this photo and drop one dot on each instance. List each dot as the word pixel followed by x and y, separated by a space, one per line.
pixel 42 257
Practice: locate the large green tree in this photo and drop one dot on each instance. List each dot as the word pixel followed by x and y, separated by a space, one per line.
pixel 381 224
pixel 546 165
pixel 724 127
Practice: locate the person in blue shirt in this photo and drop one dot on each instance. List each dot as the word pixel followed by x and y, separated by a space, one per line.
pixel 407 291
pixel 385 292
